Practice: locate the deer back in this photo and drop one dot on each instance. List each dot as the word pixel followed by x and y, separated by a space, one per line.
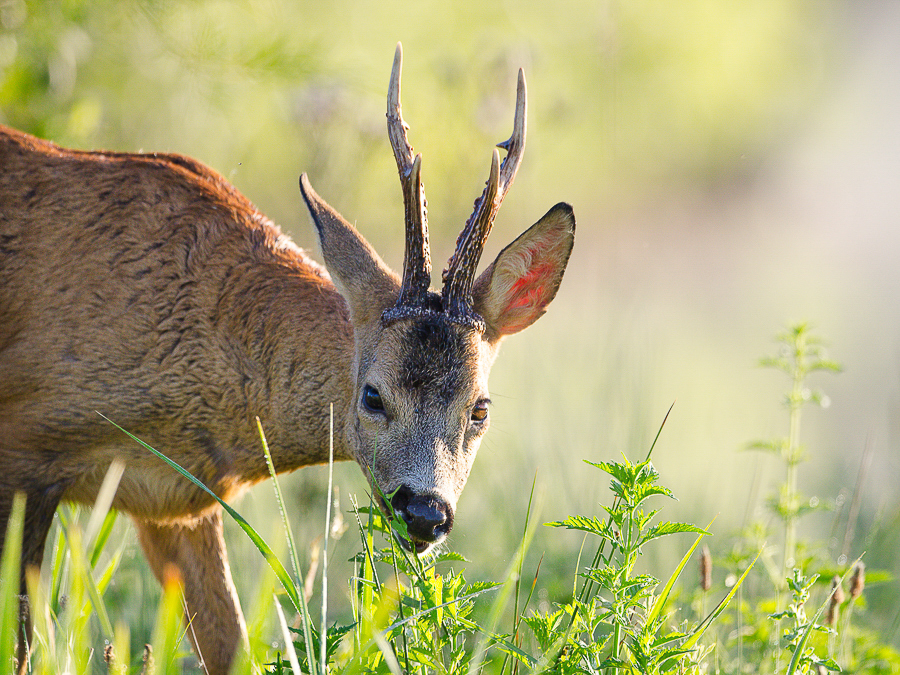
pixel 146 288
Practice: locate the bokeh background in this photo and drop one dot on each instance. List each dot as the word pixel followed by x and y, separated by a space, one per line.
pixel 734 167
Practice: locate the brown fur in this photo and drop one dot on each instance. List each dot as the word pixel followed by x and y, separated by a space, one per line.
pixel 145 287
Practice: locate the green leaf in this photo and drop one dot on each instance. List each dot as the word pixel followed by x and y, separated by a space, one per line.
pixel 776 446
pixel 481 586
pixel 588 524
pixel 622 472
pixel 643 519
pixel 446 556
pixel 544 627
pixel 642 492
pixel 665 529
pixel 607 577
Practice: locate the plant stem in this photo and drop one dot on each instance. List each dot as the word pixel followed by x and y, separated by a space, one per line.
pixel 792 459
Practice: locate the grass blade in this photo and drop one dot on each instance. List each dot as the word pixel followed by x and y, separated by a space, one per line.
pixel 103 502
pixel 288 641
pixel 502 598
pixel 9 589
pixel 662 597
pixel 703 625
pixel 168 626
pixel 303 611
pixel 102 537
pixel 323 630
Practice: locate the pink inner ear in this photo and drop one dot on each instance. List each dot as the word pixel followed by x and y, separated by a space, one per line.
pixel 535 279
pixel 530 288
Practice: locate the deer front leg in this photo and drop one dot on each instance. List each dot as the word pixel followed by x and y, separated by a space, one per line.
pixel 197 550
pixel 40 505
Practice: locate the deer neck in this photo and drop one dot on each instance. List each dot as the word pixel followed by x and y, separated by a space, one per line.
pixel 289 341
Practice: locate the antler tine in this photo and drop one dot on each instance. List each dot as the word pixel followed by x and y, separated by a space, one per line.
pixel 515 145
pixel 459 277
pixel 397 128
pixel 515 149
pixel 417 260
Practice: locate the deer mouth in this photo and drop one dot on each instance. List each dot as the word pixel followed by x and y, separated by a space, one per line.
pixel 419 546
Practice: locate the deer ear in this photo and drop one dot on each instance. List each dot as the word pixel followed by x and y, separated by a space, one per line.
pixel 515 290
pixel 367 284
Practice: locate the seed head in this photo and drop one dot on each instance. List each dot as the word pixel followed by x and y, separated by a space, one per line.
pixel 705 569
pixel 837 597
pixel 857 580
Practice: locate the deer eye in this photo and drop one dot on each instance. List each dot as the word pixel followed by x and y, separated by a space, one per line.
pixel 371 399
pixel 480 411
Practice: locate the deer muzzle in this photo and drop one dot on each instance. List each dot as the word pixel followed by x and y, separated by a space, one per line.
pixel 428 518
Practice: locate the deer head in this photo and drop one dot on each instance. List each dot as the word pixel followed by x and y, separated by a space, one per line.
pixel 419 406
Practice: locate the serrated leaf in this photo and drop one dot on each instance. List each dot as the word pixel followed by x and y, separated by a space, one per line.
pixel 646 472
pixel 608 577
pixel 588 524
pixel 643 492
pixel 826 364
pixel 480 586
pixel 667 528
pixel 643 519
pixel 624 473
pixel 543 628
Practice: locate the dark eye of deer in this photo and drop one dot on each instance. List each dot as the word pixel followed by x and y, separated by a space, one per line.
pixel 480 412
pixel 372 399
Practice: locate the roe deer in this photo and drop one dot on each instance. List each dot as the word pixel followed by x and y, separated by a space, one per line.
pixel 146 287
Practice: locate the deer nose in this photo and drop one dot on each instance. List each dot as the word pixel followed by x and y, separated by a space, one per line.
pixel 428 518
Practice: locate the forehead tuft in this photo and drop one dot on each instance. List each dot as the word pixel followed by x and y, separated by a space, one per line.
pixel 438 356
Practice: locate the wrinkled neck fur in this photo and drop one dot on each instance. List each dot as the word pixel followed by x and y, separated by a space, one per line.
pixel 289 343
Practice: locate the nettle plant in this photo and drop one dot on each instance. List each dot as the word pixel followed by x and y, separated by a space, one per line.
pixel 409 618
pixel 617 622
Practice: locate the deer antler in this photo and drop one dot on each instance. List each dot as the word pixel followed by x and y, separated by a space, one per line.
pixel 459 277
pixel 416 261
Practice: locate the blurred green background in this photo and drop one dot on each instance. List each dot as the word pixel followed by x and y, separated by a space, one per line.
pixel 733 166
